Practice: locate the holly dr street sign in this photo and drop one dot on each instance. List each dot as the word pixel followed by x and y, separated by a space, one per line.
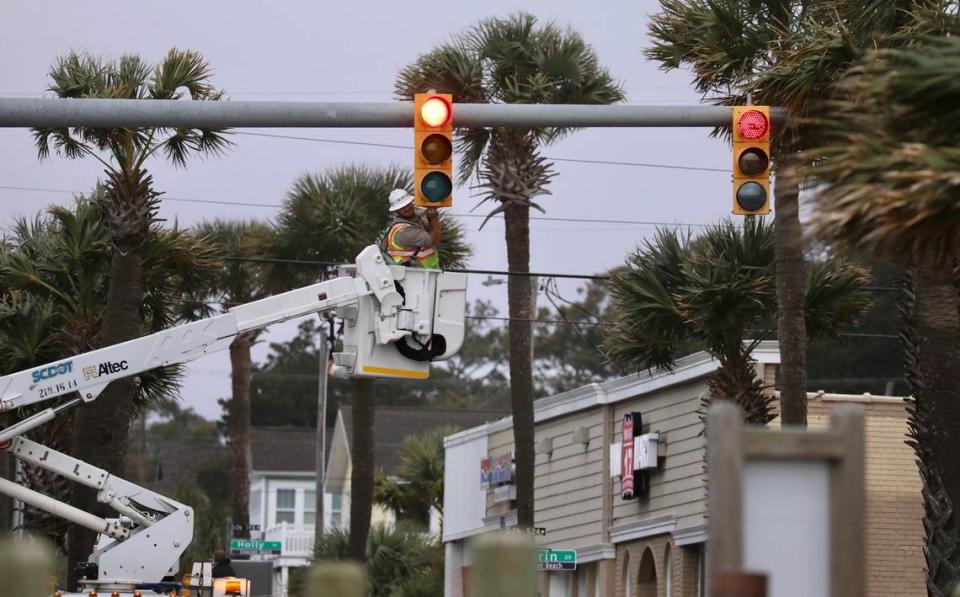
pixel 556 559
pixel 250 547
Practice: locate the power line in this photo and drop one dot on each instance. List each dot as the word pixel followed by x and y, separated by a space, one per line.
pixel 555 159
pixel 316 263
pixel 459 215
pixel 491 272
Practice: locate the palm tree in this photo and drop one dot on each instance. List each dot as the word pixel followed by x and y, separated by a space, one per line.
pixel 513 60
pixel 332 217
pixel 398 559
pixel 417 489
pixel 889 183
pixel 784 54
pixel 129 205
pixel 236 283
pixel 716 292
pixel 54 278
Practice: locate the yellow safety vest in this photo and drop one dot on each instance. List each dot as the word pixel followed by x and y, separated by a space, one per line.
pixel 426 257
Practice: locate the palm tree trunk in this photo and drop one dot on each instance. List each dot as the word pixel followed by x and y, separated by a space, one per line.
pixel 931 337
pixel 240 367
pixel 520 302
pixel 791 281
pixel 102 427
pixel 737 380
pixel 362 468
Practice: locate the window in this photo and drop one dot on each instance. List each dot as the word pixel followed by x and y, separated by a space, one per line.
pixel 286 505
pixel 336 509
pixel 582 584
pixel 255 505
pixel 560 584
pixel 310 507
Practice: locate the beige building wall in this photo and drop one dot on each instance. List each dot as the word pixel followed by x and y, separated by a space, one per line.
pixel 677 488
pixel 894 509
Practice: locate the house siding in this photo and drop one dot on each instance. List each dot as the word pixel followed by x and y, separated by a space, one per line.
pixel 677 487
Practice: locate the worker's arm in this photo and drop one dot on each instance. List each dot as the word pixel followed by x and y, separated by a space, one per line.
pixel 433 218
pixel 413 236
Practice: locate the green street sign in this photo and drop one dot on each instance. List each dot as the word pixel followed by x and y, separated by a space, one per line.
pixel 249 547
pixel 557 559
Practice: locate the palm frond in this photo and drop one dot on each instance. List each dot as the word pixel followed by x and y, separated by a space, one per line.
pixel 182 68
pixel 835 297
pixel 887 166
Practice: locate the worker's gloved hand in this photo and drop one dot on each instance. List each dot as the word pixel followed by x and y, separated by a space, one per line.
pixel 432 213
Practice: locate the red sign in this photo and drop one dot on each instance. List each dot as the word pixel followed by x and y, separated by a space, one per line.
pixel 627 458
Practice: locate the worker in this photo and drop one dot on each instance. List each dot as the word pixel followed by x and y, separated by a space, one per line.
pixel 412 240
pixel 221 565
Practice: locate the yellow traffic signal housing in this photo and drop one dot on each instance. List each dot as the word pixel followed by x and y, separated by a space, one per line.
pixel 433 150
pixel 751 160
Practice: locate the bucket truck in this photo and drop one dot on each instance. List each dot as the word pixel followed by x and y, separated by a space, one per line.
pixel 397 321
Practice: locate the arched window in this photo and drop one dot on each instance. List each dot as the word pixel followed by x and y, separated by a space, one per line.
pixel 647 575
pixel 668 571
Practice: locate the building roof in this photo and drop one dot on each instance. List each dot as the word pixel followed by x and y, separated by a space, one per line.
pixel 392 424
pixel 686 369
pixel 285 449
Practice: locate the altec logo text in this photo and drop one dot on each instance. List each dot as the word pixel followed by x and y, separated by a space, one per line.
pixel 102 369
pixel 52 371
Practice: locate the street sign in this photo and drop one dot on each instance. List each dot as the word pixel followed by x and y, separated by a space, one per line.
pixel 535 531
pixel 557 559
pixel 251 547
pixel 239 528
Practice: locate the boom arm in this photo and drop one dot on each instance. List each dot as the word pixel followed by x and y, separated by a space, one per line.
pixel 89 373
pixel 381 304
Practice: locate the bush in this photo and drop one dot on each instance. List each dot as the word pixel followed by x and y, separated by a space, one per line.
pixel 401 562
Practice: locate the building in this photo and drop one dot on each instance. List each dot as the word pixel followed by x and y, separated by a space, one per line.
pixel 652 543
pixel 283 493
pixel 283 476
pixel 391 425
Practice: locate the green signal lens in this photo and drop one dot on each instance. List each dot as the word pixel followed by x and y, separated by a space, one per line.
pixel 436 149
pixel 751 196
pixel 436 187
pixel 753 161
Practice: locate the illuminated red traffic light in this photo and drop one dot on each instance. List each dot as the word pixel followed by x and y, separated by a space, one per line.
pixel 751 160
pixel 753 124
pixel 436 111
pixel 433 150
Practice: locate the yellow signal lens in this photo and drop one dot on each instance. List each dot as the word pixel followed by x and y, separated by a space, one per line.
pixel 435 112
pixel 436 149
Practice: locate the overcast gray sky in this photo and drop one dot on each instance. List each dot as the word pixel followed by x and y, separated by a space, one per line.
pixel 351 51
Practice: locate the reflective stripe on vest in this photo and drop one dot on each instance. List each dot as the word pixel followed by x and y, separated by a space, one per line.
pixel 426 257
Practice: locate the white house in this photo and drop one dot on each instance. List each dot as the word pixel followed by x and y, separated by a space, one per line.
pixel 283 476
pixel 283 484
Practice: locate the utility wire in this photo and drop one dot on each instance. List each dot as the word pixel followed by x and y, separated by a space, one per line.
pixel 554 159
pixel 459 215
pixel 492 272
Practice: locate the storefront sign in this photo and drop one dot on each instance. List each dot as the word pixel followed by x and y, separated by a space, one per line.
pixel 496 471
pixel 631 422
pixel 557 559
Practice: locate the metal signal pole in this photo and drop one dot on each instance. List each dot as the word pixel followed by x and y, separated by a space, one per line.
pixel 108 113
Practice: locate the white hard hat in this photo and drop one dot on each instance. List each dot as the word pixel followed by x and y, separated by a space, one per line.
pixel 399 198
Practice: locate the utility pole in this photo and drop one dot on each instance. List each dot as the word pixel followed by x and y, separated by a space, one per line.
pixel 321 431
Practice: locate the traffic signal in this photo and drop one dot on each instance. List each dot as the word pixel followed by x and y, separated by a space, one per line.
pixel 751 160
pixel 433 150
